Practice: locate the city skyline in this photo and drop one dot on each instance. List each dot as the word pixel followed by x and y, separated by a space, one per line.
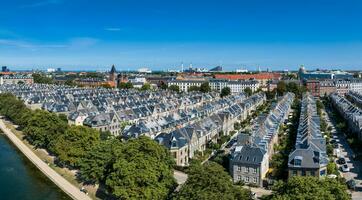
pixel 161 34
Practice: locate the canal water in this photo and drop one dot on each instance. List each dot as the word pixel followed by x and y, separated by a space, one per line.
pixel 21 180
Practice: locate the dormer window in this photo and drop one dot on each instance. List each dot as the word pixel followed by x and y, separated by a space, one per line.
pixel 298 161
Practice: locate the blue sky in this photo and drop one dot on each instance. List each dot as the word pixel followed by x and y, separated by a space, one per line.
pixel 160 34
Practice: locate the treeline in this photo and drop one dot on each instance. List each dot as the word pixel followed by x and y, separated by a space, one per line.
pixel 210 181
pixel 135 169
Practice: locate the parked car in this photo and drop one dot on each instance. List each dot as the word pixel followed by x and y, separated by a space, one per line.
pixel 341 161
pixel 345 168
pixel 351 184
pixel 332 176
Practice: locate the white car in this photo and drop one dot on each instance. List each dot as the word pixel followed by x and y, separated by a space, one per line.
pixel 345 168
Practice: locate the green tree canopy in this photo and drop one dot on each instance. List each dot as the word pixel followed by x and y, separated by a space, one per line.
pixel 96 165
pixel 193 88
pixel 163 85
pixel 43 128
pixel 145 87
pixel 75 143
pixel 225 92
pixel 174 88
pixel 281 88
pixel 41 78
pixel 248 91
pixel 310 188
pixel 142 169
pixel 210 181
pixel 205 87
pixel 127 85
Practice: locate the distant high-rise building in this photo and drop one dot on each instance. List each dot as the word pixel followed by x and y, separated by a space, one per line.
pixel 59 69
pixel 5 69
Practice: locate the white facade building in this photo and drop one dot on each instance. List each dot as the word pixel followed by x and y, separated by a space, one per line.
pixel 184 85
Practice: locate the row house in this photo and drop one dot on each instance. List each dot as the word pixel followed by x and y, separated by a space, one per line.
pixel 249 162
pixel 350 112
pixel 197 135
pixel 309 158
pixel 154 111
pixel 355 97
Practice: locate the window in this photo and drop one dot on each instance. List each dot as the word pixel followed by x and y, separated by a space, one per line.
pixel 322 172
pixel 247 179
pixel 303 173
pixel 239 178
pixel 255 179
pixel 298 161
pixel 312 173
pixel 246 169
pixel 295 172
pixel 239 168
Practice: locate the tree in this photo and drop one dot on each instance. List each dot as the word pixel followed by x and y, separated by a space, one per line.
pixel 210 181
pixel 248 91
pixel 125 85
pixel 308 187
pixel 40 78
pixel 205 87
pixel 281 88
pixel 163 85
pixel 74 144
pixel 270 94
pixel 96 165
pixel 332 168
pixel 70 82
pixel 145 87
pixel 193 88
pixel 174 88
pixel 43 128
pixel 142 169
pixel 293 87
pixel 225 92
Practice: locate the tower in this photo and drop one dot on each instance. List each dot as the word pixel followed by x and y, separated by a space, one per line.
pixel 112 74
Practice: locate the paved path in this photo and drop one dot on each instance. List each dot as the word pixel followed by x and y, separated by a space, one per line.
pixel 180 177
pixel 354 165
pixel 259 191
pixel 61 182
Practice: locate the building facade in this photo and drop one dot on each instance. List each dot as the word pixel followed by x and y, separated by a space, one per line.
pixel 309 158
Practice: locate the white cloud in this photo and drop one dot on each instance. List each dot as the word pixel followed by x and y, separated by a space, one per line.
pixel 82 42
pixel 112 29
pixel 42 3
pixel 25 44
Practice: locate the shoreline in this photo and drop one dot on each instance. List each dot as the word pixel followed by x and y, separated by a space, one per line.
pixel 71 190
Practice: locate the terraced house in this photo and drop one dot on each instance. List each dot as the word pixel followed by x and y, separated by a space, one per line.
pixel 195 137
pixel 350 112
pixel 250 160
pixel 309 158
pixel 146 113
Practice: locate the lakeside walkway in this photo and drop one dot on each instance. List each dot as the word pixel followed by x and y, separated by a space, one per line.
pixel 61 182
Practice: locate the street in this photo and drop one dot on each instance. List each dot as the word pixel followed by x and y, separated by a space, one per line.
pixel 347 153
